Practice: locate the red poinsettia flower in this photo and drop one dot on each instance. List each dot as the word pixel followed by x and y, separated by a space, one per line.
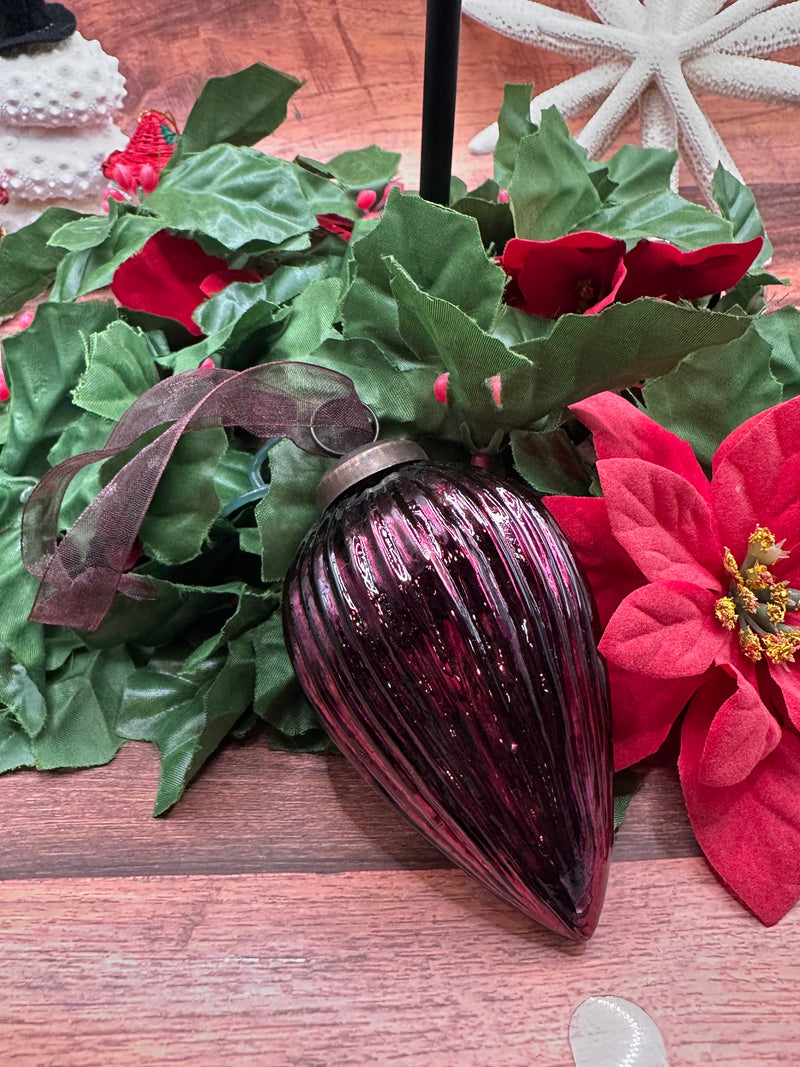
pixel 172 276
pixel 584 272
pixel 699 604
pixel 146 154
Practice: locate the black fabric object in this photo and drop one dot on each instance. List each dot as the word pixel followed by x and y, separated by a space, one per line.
pixel 32 22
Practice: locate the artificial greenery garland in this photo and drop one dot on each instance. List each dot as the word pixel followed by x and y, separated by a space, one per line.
pixel 414 294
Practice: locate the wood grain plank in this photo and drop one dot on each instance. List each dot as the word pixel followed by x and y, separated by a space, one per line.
pixel 362 61
pixel 252 810
pixel 415 969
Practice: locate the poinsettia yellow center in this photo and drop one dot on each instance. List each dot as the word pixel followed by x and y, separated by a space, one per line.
pixel 757 602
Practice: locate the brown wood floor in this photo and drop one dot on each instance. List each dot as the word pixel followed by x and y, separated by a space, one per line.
pixel 283 915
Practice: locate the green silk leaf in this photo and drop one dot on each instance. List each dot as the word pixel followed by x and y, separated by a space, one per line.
pixel 119 369
pixel 240 109
pixel 513 124
pixel 289 510
pixel 662 215
pixel 93 268
pixel 185 503
pixel 233 195
pixel 549 461
pixel 623 345
pixel 83 698
pixel 42 365
pixel 637 172
pixel 24 640
pixel 28 262
pixel 439 248
pixel 738 205
pixel 15 745
pixel 551 192
pixel 781 330
pixel 363 168
pixel 714 390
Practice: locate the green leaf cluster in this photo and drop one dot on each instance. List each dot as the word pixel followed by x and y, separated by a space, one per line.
pixel 414 295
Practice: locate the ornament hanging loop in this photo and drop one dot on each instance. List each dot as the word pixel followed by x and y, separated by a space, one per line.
pixel 325 410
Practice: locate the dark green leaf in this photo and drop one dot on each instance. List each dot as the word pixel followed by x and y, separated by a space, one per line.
pixel 23 639
pixel 83 698
pixel 439 248
pixel 310 321
pixel 364 168
pixel 514 124
pixel 638 172
pixel 289 510
pixel 82 233
pixel 27 262
pixel 714 390
pixel 119 369
pixel 233 195
pixel 185 503
pixel 550 462
pixel 624 344
pixel 551 192
pixel 665 215
pixel 15 745
pixel 43 364
pixel 737 203
pixel 627 784
pixel 241 109
pixel 278 697
pixel 223 310
pixel 781 330
pixel 93 268
pixel 440 333
pixel 20 694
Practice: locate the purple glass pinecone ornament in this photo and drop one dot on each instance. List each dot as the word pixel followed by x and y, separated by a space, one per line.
pixel 438 624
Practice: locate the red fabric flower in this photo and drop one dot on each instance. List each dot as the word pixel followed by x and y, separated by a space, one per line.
pixel 172 276
pixel 699 605
pixel 336 224
pixel 146 154
pixel 585 272
pixel 656 268
pixel 578 273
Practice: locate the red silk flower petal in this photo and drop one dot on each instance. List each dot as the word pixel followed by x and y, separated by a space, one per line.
pixel 662 522
pixel 164 278
pixel 610 571
pixel 741 735
pixel 579 273
pixel 665 630
pixel 642 714
pixel 757 480
pixel 336 224
pixel 749 832
pixel 657 268
pixel 220 280
pixel 621 431
pixel 786 677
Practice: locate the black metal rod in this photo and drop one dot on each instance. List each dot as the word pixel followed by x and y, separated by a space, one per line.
pixel 442 28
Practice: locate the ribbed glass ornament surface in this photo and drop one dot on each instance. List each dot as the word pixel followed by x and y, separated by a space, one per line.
pixel 438 624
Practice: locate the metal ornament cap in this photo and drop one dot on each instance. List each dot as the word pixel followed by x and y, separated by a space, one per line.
pixel 364 463
pixel 438 624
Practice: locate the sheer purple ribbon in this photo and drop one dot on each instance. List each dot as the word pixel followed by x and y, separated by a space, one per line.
pixel 80 574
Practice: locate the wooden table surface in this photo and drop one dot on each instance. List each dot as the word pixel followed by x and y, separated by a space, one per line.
pixel 283 915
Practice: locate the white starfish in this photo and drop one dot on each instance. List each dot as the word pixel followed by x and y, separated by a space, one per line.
pixel 659 53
